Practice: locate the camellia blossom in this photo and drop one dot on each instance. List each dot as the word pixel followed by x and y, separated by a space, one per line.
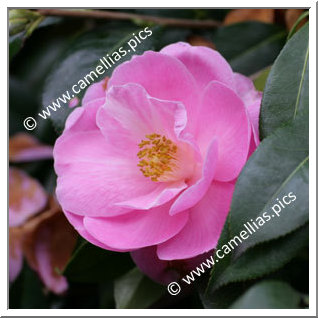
pixel 151 161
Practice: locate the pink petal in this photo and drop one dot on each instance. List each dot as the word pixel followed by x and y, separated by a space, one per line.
pixel 24 147
pixel 83 118
pixel 130 113
pixel 15 253
pixel 77 222
pixel 162 271
pixel 95 91
pixel 102 173
pixel 136 229
pixel 163 193
pixel 246 90
pixel 26 197
pixel 88 172
pixel 158 270
pixel 162 76
pixel 223 116
pixel 196 192
pixel 203 229
pixel 73 102
pixel 203 63
pixel 252 100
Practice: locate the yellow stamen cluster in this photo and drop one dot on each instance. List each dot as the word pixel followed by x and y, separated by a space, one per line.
pixel 157 156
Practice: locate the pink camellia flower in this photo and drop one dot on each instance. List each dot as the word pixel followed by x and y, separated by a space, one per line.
pixel 151 160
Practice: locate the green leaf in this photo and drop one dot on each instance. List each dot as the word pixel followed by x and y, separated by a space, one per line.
pixel 93 264
pixel 22 19
pixel 278 168
pixel 15 44
pixel 268 294
pixel 220 267
pixel 261 78
pixel 286 92
pixel 260 260
pixel 135 290
pixel 249 46
pixel 22 23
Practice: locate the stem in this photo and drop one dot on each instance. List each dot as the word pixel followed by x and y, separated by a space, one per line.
pixel 98 14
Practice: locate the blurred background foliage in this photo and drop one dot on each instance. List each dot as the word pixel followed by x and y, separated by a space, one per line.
pixel 48 53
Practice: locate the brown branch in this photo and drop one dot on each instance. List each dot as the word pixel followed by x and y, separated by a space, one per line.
pixel 115 15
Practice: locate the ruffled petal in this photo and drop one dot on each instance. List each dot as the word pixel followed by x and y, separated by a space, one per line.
pixel 203 229
pixel 102 184
pixel 87 172
pixel 83 118
pixel 252 100
pixel 95 91
pixel 77 222
pixel 246 90
pixel 163 193
pixel 158 270
pixel 204 64
pixel 129 114
pixel 162 271
pixel 101 171
pixel 196 192
pixel 136 229
pixel 163 77
pixel 223 116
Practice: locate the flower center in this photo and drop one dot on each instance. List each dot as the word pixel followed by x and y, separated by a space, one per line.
pixel 157 156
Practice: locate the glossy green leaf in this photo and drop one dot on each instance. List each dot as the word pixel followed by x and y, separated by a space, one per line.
pixel 278 168
pixel 268 294
pixel 223 297
pixel 15 44
pixel 93 264
pixel 249 46
pixel 135 290
pixel 287 90
pixel 260 260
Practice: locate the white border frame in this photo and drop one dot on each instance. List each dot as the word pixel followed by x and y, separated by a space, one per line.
pixel 163 312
